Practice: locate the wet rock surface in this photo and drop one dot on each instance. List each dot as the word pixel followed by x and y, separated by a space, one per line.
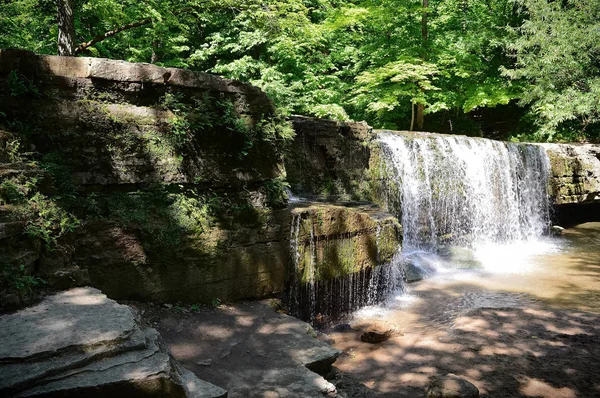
pixel 249 349
pixel 414 273
pixel 80 343
pixel 375 336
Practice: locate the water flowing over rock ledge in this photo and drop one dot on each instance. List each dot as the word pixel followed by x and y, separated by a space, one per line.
pixel 341 259
pixel 328 154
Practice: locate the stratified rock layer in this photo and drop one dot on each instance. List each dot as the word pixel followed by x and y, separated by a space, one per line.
pixel 249 349
pixel 80 343
pixel 175 165
pixel 575 173
pixel 341 258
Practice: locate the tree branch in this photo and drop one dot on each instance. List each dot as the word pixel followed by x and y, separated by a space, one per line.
pixel 85 45
pixel 98 38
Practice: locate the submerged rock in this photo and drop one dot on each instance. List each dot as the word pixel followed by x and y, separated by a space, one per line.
pixel 416 266
pixel 413 273
pixel 80 343
pixel 377 332
pixel 342 327
pixel 460 256
pixel 451 386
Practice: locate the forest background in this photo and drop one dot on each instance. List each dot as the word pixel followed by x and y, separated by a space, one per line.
pixel 525 70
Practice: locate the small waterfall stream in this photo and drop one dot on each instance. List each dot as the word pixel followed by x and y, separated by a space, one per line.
pixel 468 193
pixel 320 301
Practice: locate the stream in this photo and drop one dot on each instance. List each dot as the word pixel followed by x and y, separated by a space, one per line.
pixel 563 272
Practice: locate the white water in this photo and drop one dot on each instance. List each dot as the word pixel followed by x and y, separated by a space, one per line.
pixel 468 202
pixel 469 208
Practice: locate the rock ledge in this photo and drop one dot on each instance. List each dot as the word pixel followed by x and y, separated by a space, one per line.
pixel 79 342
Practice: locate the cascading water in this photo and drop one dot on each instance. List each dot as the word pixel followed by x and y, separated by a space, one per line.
pixel 463 203
pixel 455 191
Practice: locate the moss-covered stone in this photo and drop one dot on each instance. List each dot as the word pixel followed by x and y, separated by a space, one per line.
pixel 574 173
pixel 176 177
pixel 329 159
pixel 336 241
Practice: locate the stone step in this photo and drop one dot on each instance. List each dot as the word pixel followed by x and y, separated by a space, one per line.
pixel 80 343
pixel 68 322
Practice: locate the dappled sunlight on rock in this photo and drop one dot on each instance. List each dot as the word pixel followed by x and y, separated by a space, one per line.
pixel 82 297
pixel 187 351
pixel 249 349
pixel 541 389
pixel 58 325
pixel 418 378
pixel 245 321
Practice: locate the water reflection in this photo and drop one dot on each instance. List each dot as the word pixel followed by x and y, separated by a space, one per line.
pixel 563 272
pixel 508 333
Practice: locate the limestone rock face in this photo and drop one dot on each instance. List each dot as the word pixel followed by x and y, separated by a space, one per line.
pixel 344 239
pixel 80 343
pixel 113 134
pixel 338 253
pixel 575 173
pixel 329 159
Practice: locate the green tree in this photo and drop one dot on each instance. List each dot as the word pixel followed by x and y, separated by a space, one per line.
pixel 557 51
pixel 452 48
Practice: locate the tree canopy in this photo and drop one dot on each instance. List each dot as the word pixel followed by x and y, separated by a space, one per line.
pixel 389 62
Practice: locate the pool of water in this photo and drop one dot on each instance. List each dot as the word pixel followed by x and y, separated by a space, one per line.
pixel 563 272
pixel 502 323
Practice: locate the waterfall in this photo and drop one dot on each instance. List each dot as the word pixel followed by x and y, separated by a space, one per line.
pixel 467 192
pixel 463 203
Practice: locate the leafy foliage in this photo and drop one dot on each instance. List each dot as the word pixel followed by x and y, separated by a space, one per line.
pixel 46 219
pixel 356 59
pixel 18 280
pixel 557 50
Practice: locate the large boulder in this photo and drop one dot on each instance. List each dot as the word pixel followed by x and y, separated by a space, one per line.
pixel 80 343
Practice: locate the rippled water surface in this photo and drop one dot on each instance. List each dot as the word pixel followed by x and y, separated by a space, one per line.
pixel 563 272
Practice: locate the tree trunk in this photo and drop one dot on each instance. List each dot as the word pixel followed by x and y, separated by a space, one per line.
pixel 412 116
pixel 154 56
pixel 424 32
pixel 424 39
pixel 420 117
pixel 66 28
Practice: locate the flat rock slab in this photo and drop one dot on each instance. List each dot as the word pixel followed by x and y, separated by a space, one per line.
pixel 143 370
pixel 248 349
pixel 73 320
pixel 23 374
pixel 80 343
